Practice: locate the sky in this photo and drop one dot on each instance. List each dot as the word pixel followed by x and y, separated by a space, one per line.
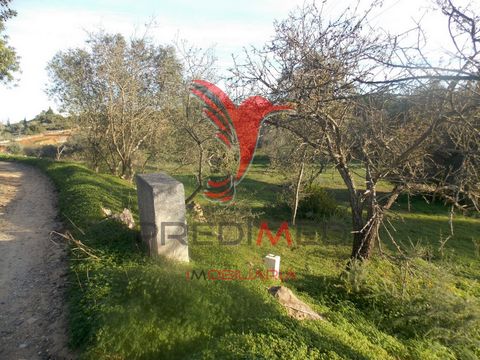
pixel 44 27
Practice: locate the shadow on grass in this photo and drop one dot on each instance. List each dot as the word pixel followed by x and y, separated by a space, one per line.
pixel 324 288
pixel 250 190
pixel 153 312
pixel 127 306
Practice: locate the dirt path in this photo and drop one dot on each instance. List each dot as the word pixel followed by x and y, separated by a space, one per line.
pixel 32 268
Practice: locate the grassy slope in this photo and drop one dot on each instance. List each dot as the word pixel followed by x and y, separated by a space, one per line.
pixel 127 306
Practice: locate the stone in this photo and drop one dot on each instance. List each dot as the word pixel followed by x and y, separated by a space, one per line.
pixel 125 217
pixel 161 205
pixel 296 308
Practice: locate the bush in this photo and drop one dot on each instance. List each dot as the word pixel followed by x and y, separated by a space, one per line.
pixel 316 204
pixel 76 147
pixel 14 148
pixel 45 151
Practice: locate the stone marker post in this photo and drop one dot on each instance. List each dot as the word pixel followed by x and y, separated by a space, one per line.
pixel 161 204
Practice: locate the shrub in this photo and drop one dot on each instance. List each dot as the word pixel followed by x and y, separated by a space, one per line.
pixel 14 148
pixel 45 151
pixel 76 147
pixel 316 204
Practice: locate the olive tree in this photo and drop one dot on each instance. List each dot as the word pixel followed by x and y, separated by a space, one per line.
pixel 8 57
pixel 118 89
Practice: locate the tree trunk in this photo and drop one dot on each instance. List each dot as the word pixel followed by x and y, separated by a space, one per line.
pixel 193 194
pixel 127 169
pixel 297 193
pixel 199 175
pixel 364 237
pixel 364 240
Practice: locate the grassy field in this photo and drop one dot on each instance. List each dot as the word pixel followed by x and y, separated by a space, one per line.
pixel 124 305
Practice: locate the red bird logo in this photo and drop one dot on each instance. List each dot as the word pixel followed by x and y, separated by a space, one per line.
pixel 235 124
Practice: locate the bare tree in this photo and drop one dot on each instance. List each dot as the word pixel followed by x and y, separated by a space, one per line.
pixel 454 155
pixel 367 127
pixel 299 163
pixel 195 142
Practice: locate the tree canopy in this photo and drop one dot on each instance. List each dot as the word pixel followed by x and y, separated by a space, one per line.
pixel 118 89
pixel 8 57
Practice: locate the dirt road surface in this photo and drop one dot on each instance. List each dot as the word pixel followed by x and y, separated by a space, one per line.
pixel 32 268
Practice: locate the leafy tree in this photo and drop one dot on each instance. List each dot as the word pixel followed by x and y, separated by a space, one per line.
pixel 5 11
pixel 34 127
pixel 8 58
pixel 51 120
pixel 119 92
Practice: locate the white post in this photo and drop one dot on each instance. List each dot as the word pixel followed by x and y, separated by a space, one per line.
pixel 272 264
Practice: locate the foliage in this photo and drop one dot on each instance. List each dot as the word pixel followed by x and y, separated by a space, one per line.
pixel 120 92
pixel 45 120
pixel 317 203
pixel 33 128
pixel 50 121
pixel 44 151
pixel 300 164
pixel 8 58
pixel 14 148
pixel 5 11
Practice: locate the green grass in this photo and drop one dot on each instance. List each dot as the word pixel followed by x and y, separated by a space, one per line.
pixel 127 306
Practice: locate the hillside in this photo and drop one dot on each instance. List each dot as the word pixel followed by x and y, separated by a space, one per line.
pixel 54 137
pixel 124 305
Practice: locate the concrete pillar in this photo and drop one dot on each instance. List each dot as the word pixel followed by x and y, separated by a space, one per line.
pixel 161 204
